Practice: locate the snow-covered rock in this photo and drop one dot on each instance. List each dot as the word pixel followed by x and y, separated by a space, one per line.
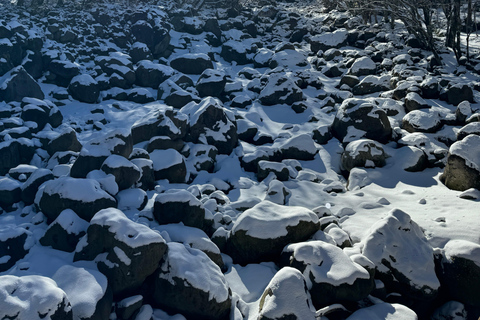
pixel 10 192
pixel 87 290
pixel 462 171
pixel 177 206
pixel 17 84
pixel 85 195
pixel 188 282
pixel 384 311
pixel 210 124
pixel 413 101
pixel 332 276
pixel 362 67
pixel 329 40
pixel 372 84
pixel 402 256
pixel 30 187
pixel 286 297
pixel 280 89
pixel 84 88
pixel 125 172
pixel 33 297
pixel 149 74
pixel 458 266
pixel 169 164
pixel 361 118
pixel 260 233
pixel 65 231
pixel 126 252
pixel 15 243
pixel 192 63
pixel 422 121
pixel 363 153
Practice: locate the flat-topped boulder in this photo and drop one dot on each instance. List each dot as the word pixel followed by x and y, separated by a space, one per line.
pixel 84 196
pixel 260 233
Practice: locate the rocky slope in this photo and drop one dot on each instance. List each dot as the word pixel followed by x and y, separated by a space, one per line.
pixel 158 162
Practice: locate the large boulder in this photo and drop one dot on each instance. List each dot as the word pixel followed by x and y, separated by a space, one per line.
pixel 87 290
pixel 10 192
pixel 462 171
pixel 84 88
pixel 64 71
pixel 362 67
pixel 210 124
pixel 384 311
pixel 361 118
pixel 332 276
pixel 161 122
pixel 193 237
pixel 84 196
pixel 459 92
pixel 15 243
pixel 280 89
pixel 65 231
pixel 33 297
pixel 95 151
pixel 458 268
pixel 169 164
pixel 261 232
pixel 211 83
pixel 329 40
pixel 188 282
pixel 372 84
pixel 149 74
pixel 18 84
pixel 422 121
pixel 125 172
pixel 402 256
pixel 192 63
pixel 179 206
pixel 363 153
pixel 14 152
pixel 286 297
pixel 130 251
pixel 157 37
pixel 36 179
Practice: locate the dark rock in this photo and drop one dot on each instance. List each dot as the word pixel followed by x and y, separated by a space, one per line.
pixel 14 245
pixel 459 271
pixel 208 121
pixel 15 152
pixel 248 241
pixel 179 206
pixel 329 40
pixel 30 187
pixel 84 88
pixel 317 259
pixel 10 192
pixel 125 172
pixel 422 121
pixel 372 84
pixel 64 71
pixel 149 74
pixel 147 179
pixel 192 63
pixel 18 84
pixel 280 89
pixel 66 140
pixel 84 196
pixel 211 83
pixel 169 164
pixel 65 231
pixel 132 251
pixel 363 153
pixel 163 143
pixel 459 92
pixel 169 123
pixel 266 167
pixel 177 287
pixel 140 51
pixel 362 115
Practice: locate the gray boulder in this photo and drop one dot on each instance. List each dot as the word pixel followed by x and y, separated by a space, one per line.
pixel 192 63
pixel 84 88
pixel 363 153
pixel 462 171
pixel 179 206
pixel 65 231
